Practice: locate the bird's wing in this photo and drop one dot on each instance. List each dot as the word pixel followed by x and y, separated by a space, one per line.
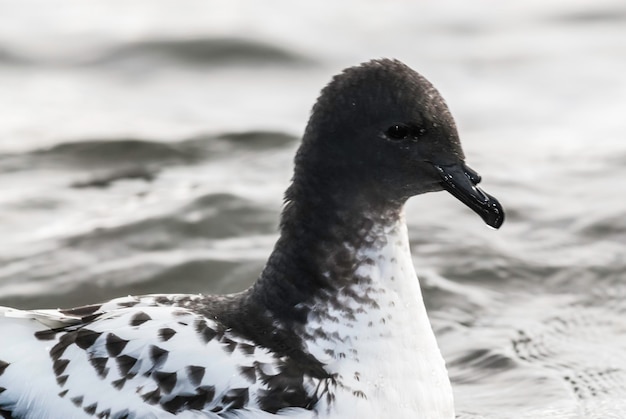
pixel 144 360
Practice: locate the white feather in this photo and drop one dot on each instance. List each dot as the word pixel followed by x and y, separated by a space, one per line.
pixel 387 354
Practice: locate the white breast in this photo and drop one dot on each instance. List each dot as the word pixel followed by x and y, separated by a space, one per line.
pixel 378 339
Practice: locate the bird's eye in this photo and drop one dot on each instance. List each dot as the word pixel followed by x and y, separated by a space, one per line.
pixel 398 132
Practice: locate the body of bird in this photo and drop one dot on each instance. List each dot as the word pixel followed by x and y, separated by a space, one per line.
pixel 335 326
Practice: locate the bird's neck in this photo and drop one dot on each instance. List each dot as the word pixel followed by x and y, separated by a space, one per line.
pixel 320 249
pixel 343 280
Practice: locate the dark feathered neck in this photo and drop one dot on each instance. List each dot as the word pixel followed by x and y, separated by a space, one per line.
pixel 323 226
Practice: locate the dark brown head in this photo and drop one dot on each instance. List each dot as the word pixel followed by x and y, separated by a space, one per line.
pixel 381 132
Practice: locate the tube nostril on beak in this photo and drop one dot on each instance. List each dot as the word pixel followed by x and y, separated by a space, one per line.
pixel 473 176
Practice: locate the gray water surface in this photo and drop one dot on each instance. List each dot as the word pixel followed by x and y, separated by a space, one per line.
pixel 145 146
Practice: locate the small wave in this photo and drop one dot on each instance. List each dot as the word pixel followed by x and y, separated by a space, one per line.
pixel 110 152
pixel 107 179
pixel 207 217
pixel 591 16
pixel 11 58
pixel 482 360
pixel 207 145
pixel 202 275
pixel 610 225
pixel 110 160
pixel 199 52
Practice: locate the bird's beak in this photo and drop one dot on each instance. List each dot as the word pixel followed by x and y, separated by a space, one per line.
pixel 461 181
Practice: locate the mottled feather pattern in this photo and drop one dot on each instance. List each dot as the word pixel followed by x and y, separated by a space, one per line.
pixel 127 348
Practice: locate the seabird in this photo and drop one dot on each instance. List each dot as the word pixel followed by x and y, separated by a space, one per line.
pixel 334 327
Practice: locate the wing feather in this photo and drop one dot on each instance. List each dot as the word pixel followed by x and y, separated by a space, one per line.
pixel 133 356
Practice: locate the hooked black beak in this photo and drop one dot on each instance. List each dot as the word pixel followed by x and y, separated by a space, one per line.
pixel 461 181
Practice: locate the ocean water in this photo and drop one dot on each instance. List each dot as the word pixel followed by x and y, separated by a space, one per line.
pixel 145 146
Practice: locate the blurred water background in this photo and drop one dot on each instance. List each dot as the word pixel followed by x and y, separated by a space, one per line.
pixel 145 146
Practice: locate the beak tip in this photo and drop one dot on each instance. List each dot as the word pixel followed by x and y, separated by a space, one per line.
pixel 495 217
pixel 492 213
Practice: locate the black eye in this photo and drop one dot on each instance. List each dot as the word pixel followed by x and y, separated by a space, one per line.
pixel 398 132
